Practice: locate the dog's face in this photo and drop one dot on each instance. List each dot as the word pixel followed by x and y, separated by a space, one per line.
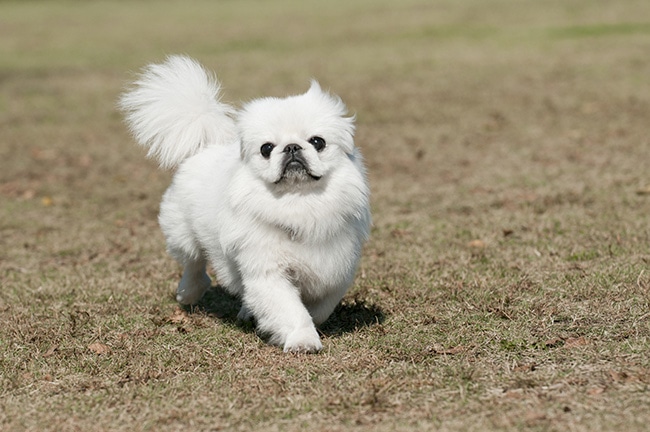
pixel 296 140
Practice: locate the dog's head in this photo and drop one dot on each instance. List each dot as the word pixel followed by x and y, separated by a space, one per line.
pixel 295 140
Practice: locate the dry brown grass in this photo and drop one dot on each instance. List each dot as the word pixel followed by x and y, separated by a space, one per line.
pixel 507 282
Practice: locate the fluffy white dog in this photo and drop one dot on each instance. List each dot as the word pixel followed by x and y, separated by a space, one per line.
pixel 274 196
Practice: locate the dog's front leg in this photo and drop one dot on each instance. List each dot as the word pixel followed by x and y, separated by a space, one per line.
pixel 279 312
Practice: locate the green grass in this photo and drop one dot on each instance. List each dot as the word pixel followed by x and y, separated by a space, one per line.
pixel 505 285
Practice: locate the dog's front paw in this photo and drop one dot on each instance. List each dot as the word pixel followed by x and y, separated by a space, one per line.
pixel 303 340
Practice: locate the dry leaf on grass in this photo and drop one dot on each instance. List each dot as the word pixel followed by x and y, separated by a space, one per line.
pixel 50 352
pixel 643 191
pixel 400 233
pixel 178 316
pixel 99 348
pixel 439 349
pixel 575 342
pixel 477 244
pixel 553 342
pixel 622 377
pixel 595 391
pixel 526 367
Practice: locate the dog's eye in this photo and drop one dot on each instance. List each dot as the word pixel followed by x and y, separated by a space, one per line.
pixel 317 142
pixel 266 150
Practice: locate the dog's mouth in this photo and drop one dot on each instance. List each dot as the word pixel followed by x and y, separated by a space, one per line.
pixel 295 169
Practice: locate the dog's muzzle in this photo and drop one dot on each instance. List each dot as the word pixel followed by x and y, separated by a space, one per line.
pixel 294 164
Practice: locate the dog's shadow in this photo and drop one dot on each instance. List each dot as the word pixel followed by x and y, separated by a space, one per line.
pixel 350 315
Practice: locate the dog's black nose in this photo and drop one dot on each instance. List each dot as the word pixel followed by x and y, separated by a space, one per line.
pixel 292 148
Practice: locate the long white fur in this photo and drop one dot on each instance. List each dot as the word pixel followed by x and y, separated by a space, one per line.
pixel 174 111
pixel 289 248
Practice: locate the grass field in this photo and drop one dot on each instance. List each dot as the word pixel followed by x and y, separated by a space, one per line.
pixel 506 285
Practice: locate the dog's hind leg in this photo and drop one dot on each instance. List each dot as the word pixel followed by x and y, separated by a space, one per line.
pixel 322 309
pixel 194 283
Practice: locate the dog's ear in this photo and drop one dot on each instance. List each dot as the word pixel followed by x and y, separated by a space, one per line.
pixel 315 87
pixel 345 127
pixel 346 139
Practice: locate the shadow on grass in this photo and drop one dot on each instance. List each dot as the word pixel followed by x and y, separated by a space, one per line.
pixel 217 303
pixel 350 315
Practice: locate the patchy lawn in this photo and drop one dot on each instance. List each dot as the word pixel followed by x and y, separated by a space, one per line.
pixel 507 281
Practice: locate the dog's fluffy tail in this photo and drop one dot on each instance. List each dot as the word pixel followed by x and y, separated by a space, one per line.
pixel 173 109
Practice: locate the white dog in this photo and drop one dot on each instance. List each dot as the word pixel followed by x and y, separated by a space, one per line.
pixel 274 196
